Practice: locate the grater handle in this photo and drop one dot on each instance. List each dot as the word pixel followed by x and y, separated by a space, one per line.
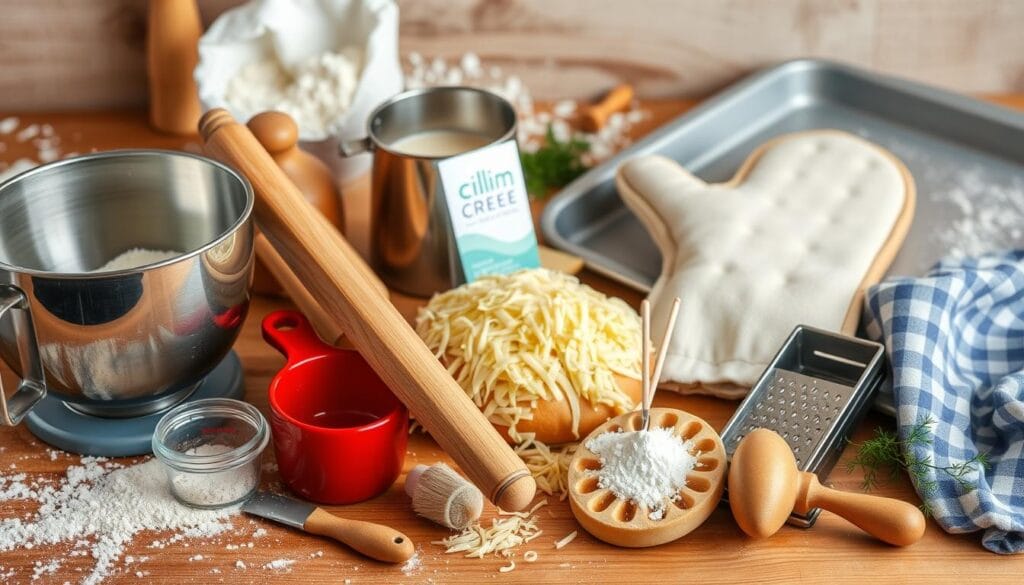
pixel 890 520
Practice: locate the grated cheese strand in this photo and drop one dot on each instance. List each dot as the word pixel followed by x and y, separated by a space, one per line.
pixel 566 540
pixel 511 340
pixel 549 466
pixel 506 532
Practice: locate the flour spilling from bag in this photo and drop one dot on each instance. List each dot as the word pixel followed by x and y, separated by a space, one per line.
pixel 327 65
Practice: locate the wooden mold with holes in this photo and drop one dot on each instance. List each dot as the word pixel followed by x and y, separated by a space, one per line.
pixel 623 523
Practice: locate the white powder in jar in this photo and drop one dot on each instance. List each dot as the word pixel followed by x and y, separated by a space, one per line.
pixel 136 257
pixel 645 467
pixel 217 488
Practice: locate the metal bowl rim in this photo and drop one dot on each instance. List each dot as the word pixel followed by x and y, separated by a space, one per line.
pixel 119 153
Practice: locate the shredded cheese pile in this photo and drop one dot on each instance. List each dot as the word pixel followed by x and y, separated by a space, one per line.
pixel 508 531
pixel 549 466
pixel 513 340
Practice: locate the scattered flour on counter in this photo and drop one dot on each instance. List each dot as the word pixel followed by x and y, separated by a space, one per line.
pixel 27 133
pixel 47 568
pixel 102 506
pixel 280 565
pixel 415 563
pixel 9 124
pixel 316 93
pixel 647 467
pixel 533 125
pixel 136 257
pixel 16 168
pixel 43 137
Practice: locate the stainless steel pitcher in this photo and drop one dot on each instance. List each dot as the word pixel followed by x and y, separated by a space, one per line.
pixel 411 247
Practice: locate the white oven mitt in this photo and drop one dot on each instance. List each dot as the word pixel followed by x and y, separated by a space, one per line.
pixel 809 221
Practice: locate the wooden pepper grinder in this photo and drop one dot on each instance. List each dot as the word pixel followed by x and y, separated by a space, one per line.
pixel 279 135
pixel 172 51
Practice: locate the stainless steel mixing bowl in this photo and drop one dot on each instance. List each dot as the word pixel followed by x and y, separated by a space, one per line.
pixel 125 342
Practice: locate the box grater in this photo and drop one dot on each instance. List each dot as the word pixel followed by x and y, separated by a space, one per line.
pixel 813 393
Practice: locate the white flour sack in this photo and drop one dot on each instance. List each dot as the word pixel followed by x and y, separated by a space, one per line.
pixel 326 63
pixel 287 49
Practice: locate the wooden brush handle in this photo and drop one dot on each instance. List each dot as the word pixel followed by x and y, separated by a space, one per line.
pixel 373 540
pixel 339 280
pixel 594 117
pixel 889 520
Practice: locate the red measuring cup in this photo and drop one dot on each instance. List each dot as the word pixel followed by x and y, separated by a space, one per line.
pixel 339 433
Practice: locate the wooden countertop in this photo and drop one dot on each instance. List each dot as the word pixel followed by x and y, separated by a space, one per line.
pixel 832 551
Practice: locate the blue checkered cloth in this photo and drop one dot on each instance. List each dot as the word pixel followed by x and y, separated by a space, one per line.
pixel 955 339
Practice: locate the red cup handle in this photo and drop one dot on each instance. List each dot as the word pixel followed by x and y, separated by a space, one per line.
pixel 291 334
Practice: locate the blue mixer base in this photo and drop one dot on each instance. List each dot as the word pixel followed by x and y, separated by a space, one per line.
pixel 53 422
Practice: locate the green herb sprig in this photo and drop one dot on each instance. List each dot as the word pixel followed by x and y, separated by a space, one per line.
pixel 554 165
pixel 886 451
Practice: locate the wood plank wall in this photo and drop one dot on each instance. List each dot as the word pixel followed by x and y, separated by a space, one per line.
pixel 67 54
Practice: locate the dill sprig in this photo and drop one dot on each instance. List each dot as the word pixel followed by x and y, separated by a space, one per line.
pixel 555 164
pixel 886 452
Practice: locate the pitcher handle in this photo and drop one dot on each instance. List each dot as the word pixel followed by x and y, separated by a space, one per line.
pixel 349 148
pixel 32 389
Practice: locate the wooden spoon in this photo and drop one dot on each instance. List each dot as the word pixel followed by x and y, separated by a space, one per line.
pixel 594 117
pixel 765 485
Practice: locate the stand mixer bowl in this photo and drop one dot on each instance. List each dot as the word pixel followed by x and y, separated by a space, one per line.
pixel 121 343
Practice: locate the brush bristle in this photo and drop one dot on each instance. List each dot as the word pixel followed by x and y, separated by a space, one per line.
pixel 443 496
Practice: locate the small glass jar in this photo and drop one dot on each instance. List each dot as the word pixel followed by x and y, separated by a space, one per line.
pixel 211 450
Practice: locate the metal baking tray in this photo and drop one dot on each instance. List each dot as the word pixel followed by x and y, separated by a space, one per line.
pixel 933 131
pixel 958 149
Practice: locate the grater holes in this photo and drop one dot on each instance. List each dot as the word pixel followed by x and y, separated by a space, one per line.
pixel 668 420
pixel 614 428
pixel 602 502
pixel 635 422
pixel 625 511
pixel 685 501
pixel 698 484
pixel 587 485
pixel 588 464
pixel 706 464
pixel 704 446
pixel 691 430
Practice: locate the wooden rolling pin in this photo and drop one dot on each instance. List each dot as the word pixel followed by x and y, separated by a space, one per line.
pixel 335 276
pixel 326 327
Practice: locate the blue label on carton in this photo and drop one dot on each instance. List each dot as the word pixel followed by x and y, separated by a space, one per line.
pixel 490 211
